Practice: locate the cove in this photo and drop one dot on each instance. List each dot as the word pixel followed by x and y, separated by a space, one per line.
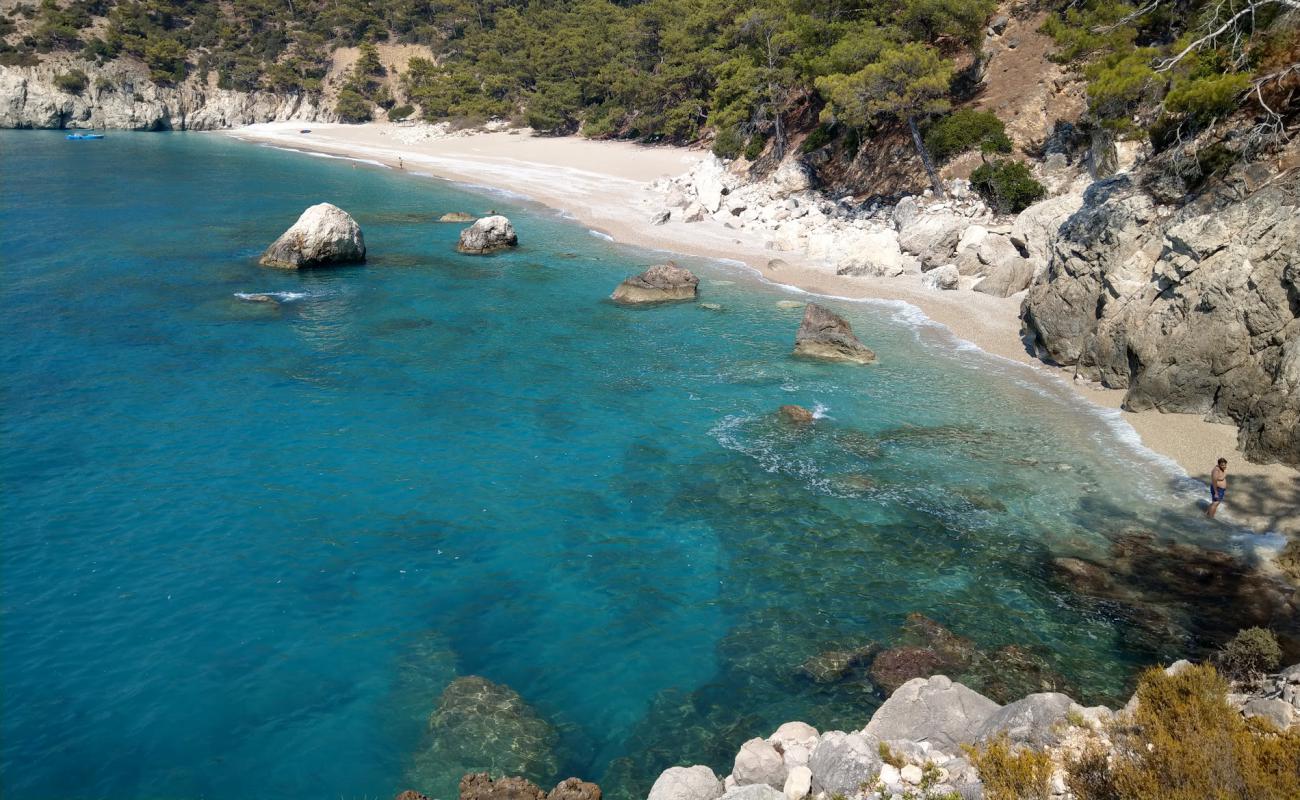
pixel 246 546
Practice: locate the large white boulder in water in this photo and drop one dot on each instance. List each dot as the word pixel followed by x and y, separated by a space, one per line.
pixel 826 335
pixel 324 234
pixel 487 235
pixel 662 283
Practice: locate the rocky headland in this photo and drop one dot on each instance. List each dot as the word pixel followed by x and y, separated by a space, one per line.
pixel 119 94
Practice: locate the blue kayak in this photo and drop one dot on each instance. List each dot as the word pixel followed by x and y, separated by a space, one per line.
pixel 80 136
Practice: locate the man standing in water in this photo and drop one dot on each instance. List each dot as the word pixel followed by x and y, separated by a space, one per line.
pixel 1218 486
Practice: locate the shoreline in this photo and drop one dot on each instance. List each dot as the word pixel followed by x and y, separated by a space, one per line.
pixel 604 186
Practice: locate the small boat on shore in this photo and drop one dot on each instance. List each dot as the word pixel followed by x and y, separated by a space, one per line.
pixel 80 136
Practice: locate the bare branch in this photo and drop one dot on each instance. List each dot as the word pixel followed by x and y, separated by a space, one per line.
pixel 1169 63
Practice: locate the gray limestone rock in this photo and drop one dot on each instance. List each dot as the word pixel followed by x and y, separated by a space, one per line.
pixel 933 710
pixel 759 762
pixel 825 335
pixel 686 783
pixel 945 277
pixel 842 762
pixel 662 283
pixel 754 791
pixel 1195 312
pixel 1035 720
pixel 324 234
pixel 487 235
pixel 119 94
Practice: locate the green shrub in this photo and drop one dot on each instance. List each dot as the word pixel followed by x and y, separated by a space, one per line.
pixel 1007 186
pixel 401 112
pixel 166 59
pixel 352 107
pixel 74 82
pixel 966 130
pixel 1012 773
pixel 1185 742
pixel 1203 99
pixel 1251 652
pixel 728 143
pixel 819 138
pixel 757 143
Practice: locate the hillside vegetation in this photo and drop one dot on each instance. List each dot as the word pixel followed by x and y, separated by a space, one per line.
pixel 742 75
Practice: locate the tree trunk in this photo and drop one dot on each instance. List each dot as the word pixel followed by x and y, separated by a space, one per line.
pixel 925 158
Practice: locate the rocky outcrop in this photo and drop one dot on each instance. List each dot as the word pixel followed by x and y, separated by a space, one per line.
pixel 933 710
pixel 324 234
pixel 796 415
pixel 119 94
pixel 913 745
pixel 487 235
pixel 1197 311
pixel 825 335
pixel 842 762
pixel 662 283
pixel 457 216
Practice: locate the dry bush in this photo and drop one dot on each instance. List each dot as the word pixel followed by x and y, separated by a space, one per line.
pixel 1010 773
pixel 1185 742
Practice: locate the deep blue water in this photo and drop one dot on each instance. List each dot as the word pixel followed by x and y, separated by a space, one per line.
pixel 245 546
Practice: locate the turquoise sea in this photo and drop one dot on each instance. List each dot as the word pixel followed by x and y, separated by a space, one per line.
pixel 245 546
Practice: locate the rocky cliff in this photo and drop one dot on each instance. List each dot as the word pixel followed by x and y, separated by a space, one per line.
pixel 1193 310
pixel 119 94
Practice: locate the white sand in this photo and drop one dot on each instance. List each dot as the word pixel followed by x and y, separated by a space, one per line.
pixel 604 186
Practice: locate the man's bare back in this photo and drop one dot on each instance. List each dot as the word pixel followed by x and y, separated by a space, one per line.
pixel 1218 486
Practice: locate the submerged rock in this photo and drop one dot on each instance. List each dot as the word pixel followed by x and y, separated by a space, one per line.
pixel 324 234
pixel 823 334
pixel 487 235
pixel 830 666
pixel 457 216
pixel 662 283
pixel 481 726
pixel 574 789
pixel 480 786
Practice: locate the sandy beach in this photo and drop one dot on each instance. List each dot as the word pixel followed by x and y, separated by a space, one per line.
pixel 605 186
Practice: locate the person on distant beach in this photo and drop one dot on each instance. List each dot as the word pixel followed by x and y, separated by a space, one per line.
pixel 399 163
pixel 1218 486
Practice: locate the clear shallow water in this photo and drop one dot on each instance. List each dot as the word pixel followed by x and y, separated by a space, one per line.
pixel 245 546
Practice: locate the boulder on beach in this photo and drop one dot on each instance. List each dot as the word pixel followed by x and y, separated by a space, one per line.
pixel 487 235
pixel 324 234
pixel 457 216
pixel 946 277
pixel 842 762
pixel 662 283
pixel 825 335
